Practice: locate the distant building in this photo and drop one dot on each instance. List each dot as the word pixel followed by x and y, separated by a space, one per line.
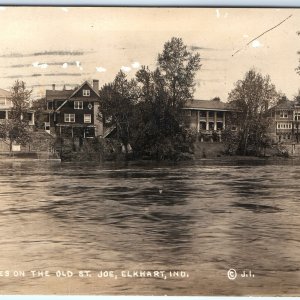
pixel 73 113
pixel 207 116
pixel 6 105
pixel 285 122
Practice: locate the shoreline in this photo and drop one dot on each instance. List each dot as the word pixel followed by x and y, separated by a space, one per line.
pixel 219 159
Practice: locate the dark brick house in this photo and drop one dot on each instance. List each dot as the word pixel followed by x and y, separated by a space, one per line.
pixel 73 113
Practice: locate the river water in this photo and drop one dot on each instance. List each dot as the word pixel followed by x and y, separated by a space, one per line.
pixel 153 229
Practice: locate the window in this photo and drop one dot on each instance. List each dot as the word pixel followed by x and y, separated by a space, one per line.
pixel 70 118
pixel 284 126
pixel 87 118
pixel 2 114
pixel 2 101
pixel 50 105
pixel 78 105
pixel 203 125
pixel 211 114
pixel 86 93
pixel 202 114
pixel 283 114
pixel 219 114
pixel 219 126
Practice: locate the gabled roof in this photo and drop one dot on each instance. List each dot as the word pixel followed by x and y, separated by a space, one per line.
pixel 66 95
pixel 207 105
pixel 86 82
pixel 5 93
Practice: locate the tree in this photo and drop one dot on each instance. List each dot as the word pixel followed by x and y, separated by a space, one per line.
pixel 147 111
pixel 179 67
pixel 39 106
pixel 117 105
pixel 14 132
pixel 20 97
pixel 16 128
pixel 252 98
pixel 298 68
pixel 163 94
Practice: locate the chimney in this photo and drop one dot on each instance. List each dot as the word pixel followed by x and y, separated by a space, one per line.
pixel 96 85
pixel 53 87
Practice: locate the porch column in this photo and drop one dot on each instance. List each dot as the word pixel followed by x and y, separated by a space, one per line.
pixel 207 123
pixel 215 120
pixel 224 119
pixel 6 115
pixel 198 118
pixel 72 132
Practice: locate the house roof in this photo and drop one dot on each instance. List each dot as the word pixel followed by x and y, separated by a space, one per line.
pixel 90 86
pixel 213 104
pixel 58 95
pixel 66 94
pixel 285 105
pixel 4 93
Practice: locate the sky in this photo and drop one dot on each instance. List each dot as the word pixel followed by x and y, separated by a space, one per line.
pixel 68 45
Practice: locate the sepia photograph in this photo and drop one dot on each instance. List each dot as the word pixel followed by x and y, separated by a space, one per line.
pixel 149 151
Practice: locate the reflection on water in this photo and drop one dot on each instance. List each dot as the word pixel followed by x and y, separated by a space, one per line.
pixel 201 218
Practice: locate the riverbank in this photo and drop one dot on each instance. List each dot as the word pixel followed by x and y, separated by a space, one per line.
pixel 29 156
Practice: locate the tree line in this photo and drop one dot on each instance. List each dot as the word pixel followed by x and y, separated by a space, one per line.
pixel 146 112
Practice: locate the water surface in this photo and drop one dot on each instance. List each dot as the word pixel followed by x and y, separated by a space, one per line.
pixel 202 218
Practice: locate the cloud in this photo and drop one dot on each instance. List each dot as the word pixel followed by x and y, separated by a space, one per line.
pixel 62 74
pixel 36 64
pixel 45 53
pixel 136 65
pixel 195 48
pixel 100 69
pixel 12 55
pixel 213 59
pixel 20 66
pixel 256 44
pixel 22 76
pixel 57 53
pixel 125 69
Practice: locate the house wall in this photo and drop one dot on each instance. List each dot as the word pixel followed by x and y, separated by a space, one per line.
pixel 68 108
pixel 205 120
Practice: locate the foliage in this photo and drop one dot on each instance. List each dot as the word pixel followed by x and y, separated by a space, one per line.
pixel 20 99
pixel 39 106
pixel 147 110
pixel 163 94
pixel 230 139
pixel 298 68
pixel 16 130
pixel 117 105
pixel 252 98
